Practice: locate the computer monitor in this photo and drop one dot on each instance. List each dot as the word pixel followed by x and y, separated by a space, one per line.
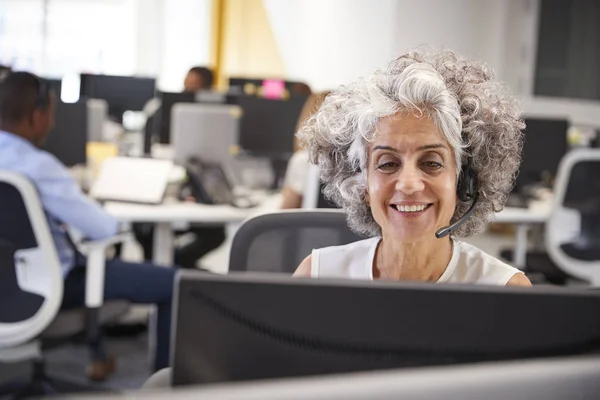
pixel 545 145
pixel 248 86
pixel 122 93
pixel 268 126
pixel 168 99
pixel 251 86
pixel 244 327
pixel 55 84
pixel 68 139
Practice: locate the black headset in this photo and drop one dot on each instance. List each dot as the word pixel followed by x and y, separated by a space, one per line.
pixel 467 190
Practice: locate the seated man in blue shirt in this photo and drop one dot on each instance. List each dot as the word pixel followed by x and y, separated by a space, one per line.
pixel 26 116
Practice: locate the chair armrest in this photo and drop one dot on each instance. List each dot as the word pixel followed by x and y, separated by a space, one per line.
pixel 96 259
pixel 90 245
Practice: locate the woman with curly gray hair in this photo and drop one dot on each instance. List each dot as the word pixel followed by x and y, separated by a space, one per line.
pixel 419 155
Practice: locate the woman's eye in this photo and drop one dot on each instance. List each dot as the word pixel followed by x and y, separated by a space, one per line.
pixel 387 166
pixel 432 165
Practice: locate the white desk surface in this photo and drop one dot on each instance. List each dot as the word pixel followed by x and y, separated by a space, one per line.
pixel 531 215
pixel 177 212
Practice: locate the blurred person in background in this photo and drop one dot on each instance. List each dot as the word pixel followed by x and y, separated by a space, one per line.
pixel 198 78
pixel 297 169
pixel 204 239
pixel 27 105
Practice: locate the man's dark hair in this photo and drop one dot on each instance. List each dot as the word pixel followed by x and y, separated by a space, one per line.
pixel 20 94
pixel 206 74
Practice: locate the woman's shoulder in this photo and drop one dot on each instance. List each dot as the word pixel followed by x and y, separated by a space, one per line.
pixel 348 260
pixel 358 247
pixel 476 266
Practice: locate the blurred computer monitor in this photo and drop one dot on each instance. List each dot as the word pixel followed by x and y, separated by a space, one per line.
pixel 68 139
pixel 243 327
pixel 268 126
pixel 258 86
pixel 248 86
pixel 168 100
pixel 545 145
pixel 55 84
pixel 122 93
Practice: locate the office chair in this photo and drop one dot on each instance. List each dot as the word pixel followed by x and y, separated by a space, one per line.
pixel 279 241
pixel 31 287
pixel 572 234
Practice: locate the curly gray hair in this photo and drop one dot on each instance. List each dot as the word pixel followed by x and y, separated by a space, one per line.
pixel 477 115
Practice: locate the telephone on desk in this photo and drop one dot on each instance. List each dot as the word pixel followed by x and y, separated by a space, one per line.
pixel 207 183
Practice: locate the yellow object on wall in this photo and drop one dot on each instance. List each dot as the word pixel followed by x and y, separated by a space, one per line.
pixel 243 41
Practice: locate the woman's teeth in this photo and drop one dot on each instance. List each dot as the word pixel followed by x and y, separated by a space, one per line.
pixel 411 208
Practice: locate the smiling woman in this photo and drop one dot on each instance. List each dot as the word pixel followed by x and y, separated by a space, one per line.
pixel 429 141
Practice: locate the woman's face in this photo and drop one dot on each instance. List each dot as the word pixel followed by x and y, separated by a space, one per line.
pixel 411 178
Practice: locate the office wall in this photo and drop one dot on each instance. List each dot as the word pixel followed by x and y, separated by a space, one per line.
pixel 328 43
pixel 519 66
pixel 171 37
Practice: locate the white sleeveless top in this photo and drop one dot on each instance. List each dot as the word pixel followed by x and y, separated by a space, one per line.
pixel 355 261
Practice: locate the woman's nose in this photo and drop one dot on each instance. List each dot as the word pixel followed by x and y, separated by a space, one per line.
pixel 410 181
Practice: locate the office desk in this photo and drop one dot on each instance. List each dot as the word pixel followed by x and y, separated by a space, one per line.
pixel 164 216
pixel 523 219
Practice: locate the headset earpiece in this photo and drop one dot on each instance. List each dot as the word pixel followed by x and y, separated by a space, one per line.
pixel 467 183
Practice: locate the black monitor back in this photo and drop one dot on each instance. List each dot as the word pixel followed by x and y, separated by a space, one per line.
pixel 268 126
pixel 168 100
pixel 545 145
pixel 249 327
pixel 55 85
pixel 238 83
pixel 122 93
pixel 68 139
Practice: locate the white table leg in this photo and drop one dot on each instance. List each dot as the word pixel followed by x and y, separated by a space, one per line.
pixel 520 252
pixel 152 321
pixel 164 243
pixel 163 254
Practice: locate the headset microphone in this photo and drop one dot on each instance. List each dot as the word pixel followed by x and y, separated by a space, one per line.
pixel 467 190
pixel 443 232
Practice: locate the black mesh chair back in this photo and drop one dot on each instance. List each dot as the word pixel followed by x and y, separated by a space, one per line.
pixel 573 229
pixel 16 233
pixel 278 242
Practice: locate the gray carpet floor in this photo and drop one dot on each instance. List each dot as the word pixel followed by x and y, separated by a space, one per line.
pixel 68 362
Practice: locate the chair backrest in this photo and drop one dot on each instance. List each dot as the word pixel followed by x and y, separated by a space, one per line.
pixel 573 229
pixel 31 282
pixel 278 242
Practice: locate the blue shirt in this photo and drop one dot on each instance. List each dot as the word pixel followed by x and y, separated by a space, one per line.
pixel 62 198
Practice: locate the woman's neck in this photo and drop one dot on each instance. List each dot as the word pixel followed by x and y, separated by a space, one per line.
pixel 415 261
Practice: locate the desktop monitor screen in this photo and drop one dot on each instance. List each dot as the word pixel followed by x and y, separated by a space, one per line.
pixel 268 126
pixel 68 139
pixel 544 147
pixel 242 327
pixel 122 93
